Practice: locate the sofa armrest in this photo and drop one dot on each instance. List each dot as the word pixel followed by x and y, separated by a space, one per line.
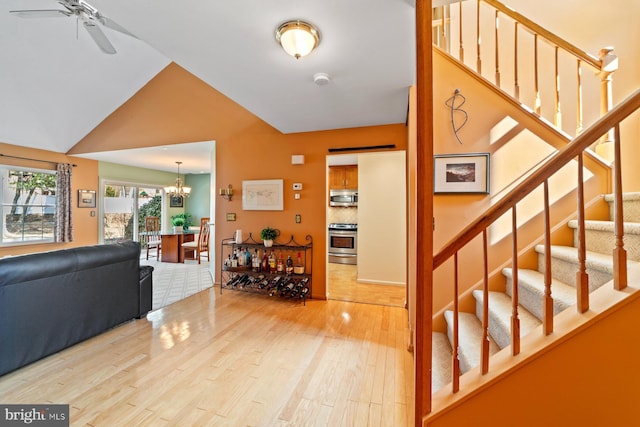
pixel 146 290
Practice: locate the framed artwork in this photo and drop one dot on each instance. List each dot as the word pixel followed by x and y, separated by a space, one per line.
pixel 262 195
pixel 176 202
pixel 461 173
pixel 86 198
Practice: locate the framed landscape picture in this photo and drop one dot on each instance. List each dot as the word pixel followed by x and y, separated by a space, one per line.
pixel 461 173
pixel 176 202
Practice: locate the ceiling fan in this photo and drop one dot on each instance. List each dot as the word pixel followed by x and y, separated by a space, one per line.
pixel 84 12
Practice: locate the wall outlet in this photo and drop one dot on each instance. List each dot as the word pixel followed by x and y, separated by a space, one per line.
pixel 297 186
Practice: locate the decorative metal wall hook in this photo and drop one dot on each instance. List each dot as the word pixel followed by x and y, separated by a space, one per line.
pixel 455 103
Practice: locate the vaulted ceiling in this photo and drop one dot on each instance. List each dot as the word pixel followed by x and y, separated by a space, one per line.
pixel 56 85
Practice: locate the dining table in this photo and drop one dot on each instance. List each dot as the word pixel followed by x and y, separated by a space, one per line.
pixel 171 243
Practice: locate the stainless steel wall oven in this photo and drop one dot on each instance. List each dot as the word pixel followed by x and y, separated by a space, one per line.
pixel 343 243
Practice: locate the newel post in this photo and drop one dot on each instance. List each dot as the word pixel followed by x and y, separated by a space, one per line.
pixel 609 64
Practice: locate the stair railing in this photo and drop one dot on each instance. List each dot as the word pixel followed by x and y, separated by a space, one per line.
pixel 603 66
pixel 541 176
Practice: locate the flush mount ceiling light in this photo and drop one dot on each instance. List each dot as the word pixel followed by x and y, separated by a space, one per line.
pixel 297 38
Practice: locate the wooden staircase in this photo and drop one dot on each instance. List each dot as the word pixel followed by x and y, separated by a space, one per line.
pixel 523 307
pixel 600 240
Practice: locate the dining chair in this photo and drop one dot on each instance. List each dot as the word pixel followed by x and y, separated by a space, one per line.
pixel 199 245
pixel 152 229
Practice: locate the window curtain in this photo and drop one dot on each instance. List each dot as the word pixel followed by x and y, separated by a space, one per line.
pixel 64 225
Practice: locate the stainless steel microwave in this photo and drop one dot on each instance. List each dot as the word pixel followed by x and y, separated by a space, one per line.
pixel 343 198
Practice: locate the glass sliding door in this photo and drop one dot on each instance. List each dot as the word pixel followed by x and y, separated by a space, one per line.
pixel 119 202
pixel 125 205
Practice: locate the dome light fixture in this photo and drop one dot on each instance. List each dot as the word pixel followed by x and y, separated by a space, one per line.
pixel 298 38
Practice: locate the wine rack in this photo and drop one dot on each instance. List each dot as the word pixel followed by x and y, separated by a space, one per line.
pixel 292 285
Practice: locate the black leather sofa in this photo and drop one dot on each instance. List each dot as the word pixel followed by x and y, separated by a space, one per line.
pixel 52 300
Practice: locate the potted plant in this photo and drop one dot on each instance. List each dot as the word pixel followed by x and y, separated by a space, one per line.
pixel 182 220
pixel 178 224
pixel 268 235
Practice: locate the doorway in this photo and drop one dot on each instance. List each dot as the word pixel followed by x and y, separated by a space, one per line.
pixel 379 275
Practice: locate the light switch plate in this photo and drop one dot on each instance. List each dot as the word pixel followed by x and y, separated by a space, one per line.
pixel 296 196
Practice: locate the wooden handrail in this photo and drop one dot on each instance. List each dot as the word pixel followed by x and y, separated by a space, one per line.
pixel 546 34
pixel 562 157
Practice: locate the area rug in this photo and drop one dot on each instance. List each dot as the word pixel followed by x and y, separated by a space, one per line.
pixel 175 281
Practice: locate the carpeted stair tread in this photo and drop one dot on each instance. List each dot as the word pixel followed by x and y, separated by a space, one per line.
pixel 564 265
pixel 531 291
pixel 627 196
pixel 441 360
pixel 629 227
pixel 600 237
pixel 595 260
pixel 469 339
pixel 630 206
pixel 500 308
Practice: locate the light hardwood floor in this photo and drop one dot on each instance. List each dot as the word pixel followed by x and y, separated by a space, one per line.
pixel 342 285
pixel 234 359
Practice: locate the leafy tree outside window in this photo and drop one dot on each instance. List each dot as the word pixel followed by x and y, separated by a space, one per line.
pixel 28 205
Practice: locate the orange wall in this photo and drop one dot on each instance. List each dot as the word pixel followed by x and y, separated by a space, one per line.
pixel 266 154
pixel 176 107
pixel 84 176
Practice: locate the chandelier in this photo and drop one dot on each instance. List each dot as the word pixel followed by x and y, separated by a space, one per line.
pixel 178 190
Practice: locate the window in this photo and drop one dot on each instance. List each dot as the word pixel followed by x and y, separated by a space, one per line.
pixel 28 205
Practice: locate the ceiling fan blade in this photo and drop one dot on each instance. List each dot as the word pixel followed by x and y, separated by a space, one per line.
pixel 42 13
pixel 110 23
pixel 98 36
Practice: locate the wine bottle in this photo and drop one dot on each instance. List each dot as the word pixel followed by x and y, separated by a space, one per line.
pixel 286 289
pixel 273 284
pixel 255 262
pixel 272 262
pixel 233 279
pixel 280 264
pixel 262 282
pixel 240 280
pixel 304 292
pixel 289 265
pixel 247 258
pixel 296 289
pixel 234 260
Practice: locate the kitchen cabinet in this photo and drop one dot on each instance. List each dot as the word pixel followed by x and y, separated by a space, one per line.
pixel 343 177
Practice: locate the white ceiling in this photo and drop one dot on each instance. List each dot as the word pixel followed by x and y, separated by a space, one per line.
pixel 55 87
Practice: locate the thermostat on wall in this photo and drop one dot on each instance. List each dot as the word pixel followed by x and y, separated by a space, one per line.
pixel 297 186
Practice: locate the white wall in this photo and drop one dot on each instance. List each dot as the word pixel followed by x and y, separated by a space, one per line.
pixel 382 218
pixel 213 201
